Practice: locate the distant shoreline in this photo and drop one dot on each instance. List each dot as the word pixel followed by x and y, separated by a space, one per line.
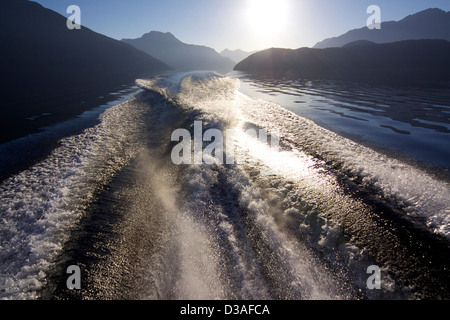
pixel 403 62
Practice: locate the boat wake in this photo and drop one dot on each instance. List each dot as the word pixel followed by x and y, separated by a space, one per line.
pixel 301 221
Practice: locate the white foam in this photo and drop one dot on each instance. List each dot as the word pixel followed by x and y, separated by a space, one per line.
pixel 220 104
pixel 422 194
pixel 419 193
pixel 39 206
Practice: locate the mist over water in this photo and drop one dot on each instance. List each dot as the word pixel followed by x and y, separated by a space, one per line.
pixel 300 222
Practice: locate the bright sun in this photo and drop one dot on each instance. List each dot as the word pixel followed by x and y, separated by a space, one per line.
pixel 268 17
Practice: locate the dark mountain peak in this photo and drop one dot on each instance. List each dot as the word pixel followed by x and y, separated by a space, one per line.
pixel 431 23
pixel 181 56
pixel 428 15
pixel 43 61
pixel 160 36
pixel 429 12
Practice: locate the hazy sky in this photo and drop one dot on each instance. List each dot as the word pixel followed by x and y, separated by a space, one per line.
pixel 237 24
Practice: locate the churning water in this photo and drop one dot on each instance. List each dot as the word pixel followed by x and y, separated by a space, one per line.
pixel 303 221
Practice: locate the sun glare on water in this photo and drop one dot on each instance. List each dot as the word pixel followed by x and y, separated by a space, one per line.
pixel 267 17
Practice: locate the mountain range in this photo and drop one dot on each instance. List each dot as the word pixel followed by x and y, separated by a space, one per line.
pixel 48 69
pixel 236 55
pixel 427 24
pixel 410 60
pixel 179 55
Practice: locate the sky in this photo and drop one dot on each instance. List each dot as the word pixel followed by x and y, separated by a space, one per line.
pixel 237 24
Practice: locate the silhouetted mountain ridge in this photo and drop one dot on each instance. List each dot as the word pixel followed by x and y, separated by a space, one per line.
pixel 160 36
pixel 179 55
pixel 428 24
pixel 47 68
pixel 412 60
